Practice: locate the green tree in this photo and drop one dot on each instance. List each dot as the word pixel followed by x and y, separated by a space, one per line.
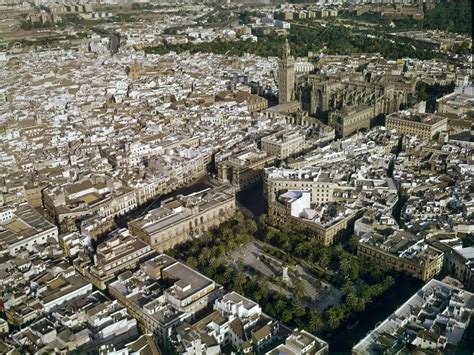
pixel 299 309
pixel 334 317
pixel 354 270
pixel 280 306
pixel 298 290
pixel 315 323
pixel 345 266
pixel 239 216
pixel 191 261
pixel 324 260
pixel 348 287
pixel 228 275
pixel 388 282
pixel 263 221
pixel 351 300
pixel 252 226
pixel 377 290
pixel 360 304
pixel 204 257
pixel 353 243
pixel 287 315
pixel 239 282
pixel 264 288
pixel 301 250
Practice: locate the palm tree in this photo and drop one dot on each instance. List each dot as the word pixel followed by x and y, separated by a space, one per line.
pixel 354 271
pixel 298 290
pixel 334 319
pixel 286 246
pixel 388 282
pixel 360 304
pixel 252 226
pixel 264 288
pixel 239 216
pixel 228 275
pixel 377 289
pixel 263 220
pixel 301 250
pixel 287 315
pixel 280 306
pixel 353 243
pixel 231 245
pixel 239 281
pixel 191 261
pixel 299 309
pixel 257 296
pixel 215 262
pixel 347 287
pixel 218 251
pixel 324 260
pixel 194 250
pixel 345 266
pixel 352 300
pixel 315 322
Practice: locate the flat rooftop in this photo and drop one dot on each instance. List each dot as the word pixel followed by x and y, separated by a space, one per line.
pixel 26 223
pixel 187 281
pixel 423 315
pixel 424 118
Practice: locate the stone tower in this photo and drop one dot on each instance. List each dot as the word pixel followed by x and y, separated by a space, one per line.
pixel 134 70
pixel 286 76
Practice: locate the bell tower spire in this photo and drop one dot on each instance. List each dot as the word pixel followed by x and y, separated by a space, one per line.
pixel 286 49
pixel 286 76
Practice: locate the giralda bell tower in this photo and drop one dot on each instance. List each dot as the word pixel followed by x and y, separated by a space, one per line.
pixel 286 76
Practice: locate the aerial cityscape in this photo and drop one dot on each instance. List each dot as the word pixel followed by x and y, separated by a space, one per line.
pixel 278 177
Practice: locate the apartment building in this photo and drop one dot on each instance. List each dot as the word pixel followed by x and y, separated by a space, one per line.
pixel 457 103
pixel 433 320
pixel 82 326
pixel 402 251
pixel 107 198
pixel 23 228
pixel 459 262
pixel 164 293
pixel 351 119
pixel 235 321
pixel 279 180
pixel 52 292
pixel 118 253
pixel 244 169
pixel 301 342
pixel 253 102
pixel 147 189
pixel 283 144
pixel 184 217
pixel 326 222
pixel 456 106
pixel 422 125
pixel 72 243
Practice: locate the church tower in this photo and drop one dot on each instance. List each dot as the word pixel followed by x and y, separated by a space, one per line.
pixel 286 76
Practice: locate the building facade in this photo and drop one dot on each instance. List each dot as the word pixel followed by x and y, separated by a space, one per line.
pixel 184 217
pixel 350 120
pixel 401 253
pixel 421 125
pixel 244 169
pixel 283 145
pixel 294 207
pixel 117 254
pixel 23 228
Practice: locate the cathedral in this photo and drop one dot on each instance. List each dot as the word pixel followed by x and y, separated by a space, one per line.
pixel 347 101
